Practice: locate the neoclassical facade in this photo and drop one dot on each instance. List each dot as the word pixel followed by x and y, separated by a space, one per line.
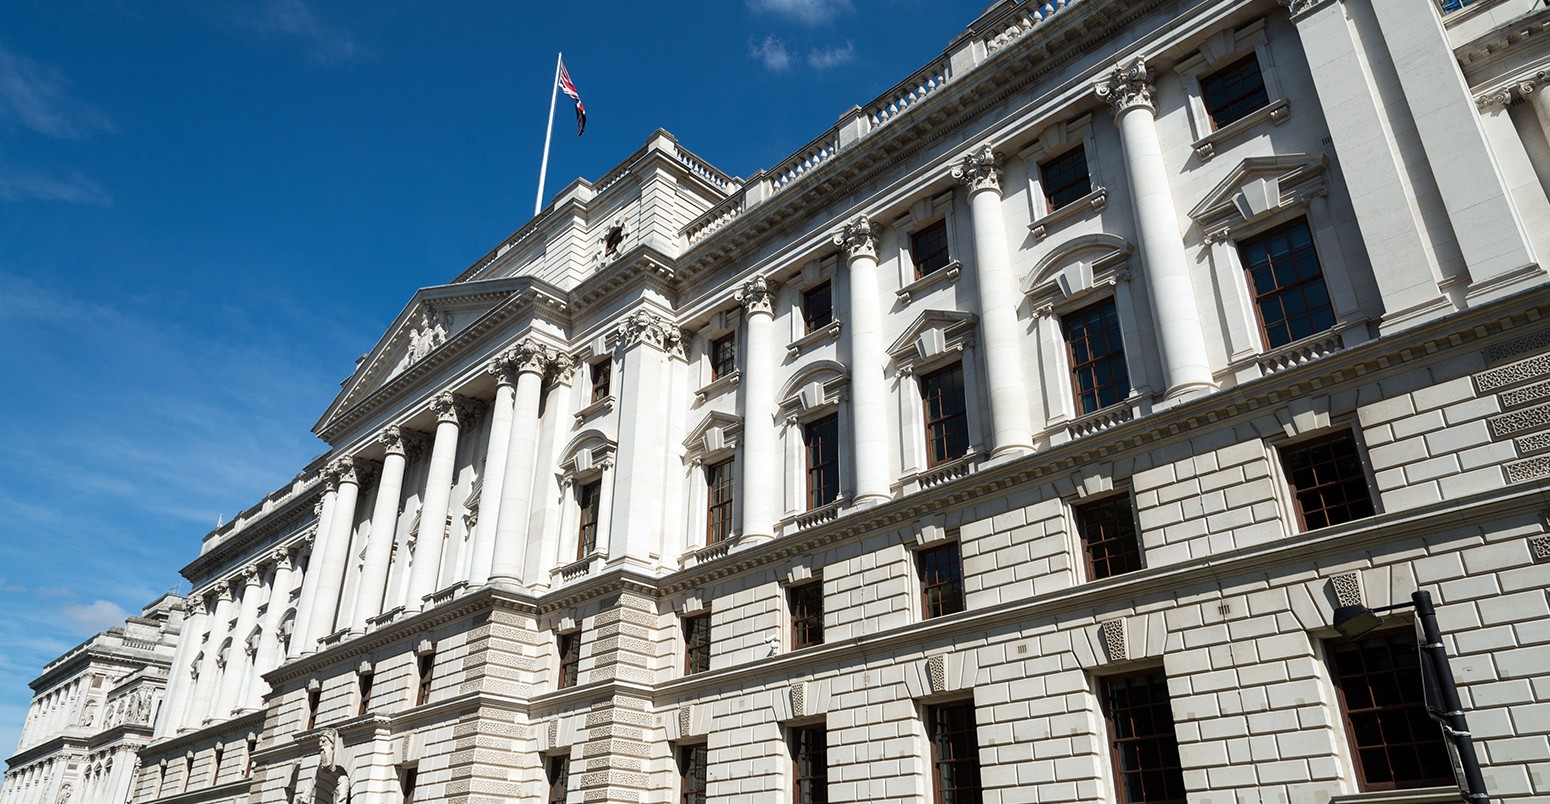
pixel 1012 441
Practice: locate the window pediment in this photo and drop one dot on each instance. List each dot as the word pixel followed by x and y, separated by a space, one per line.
pixel 815 391
pixel 1258 188
pixel 1077 267
pixel 586 456
pixel 715 437
pixel 933 335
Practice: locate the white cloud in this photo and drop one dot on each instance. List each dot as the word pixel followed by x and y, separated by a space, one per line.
pixel 772 52
pixel 295 19
pixel 98 615
pixel 809 12
pixel 34 95
pixel 72 187
pixel 824 58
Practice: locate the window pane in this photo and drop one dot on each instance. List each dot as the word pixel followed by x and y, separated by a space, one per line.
pixel 570 659
pixel 810 764
pixel 806 615
pixel 928 248
pixel 1234 91
pixel 723 357
pixel 941 580
pixel 817 307
pixel 588 497
pixel 1108 531
pixel 696 644
pixel 1395 743
pixel 954 753
pixel 1288 285
pixel 947 423
pixel 822 438
pixel 1098 372
pixel 691 770
pixel 718 485
pixel 601 373
pixel 1145 749
pixel 1065 178
pixel 1327 480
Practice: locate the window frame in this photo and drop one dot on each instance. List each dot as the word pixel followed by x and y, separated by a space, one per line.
pixel 721 356
pixel 600 373
pixel 589 516
pixel 812 322
pixel 1220 50
pixel 720 500
pixel 696 631
pixel 685 758
pixel 932 717
pixel 1208 79
pixel 365 681
pixel 801 750
pixel 1256 299
pixel 960 416
pixel 1076 153
pixel 1136 553
pixel 1114 332
pixel 822 471
pixel 567 646
pixel 314 703
pixel 804 621
pixel 425 671
pixel 1313 441
pixel 941 255
pixel 1439 758
pixel 928 586
pixel 1158 680
pixel 557 774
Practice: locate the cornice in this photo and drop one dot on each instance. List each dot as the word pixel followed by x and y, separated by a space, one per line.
pixel 643 265
pixel 183 741
pixel 296 511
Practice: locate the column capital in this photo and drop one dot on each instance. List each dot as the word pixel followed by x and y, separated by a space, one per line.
pixel 504 367
pixel 1128 86
pixel 530 356
pixel 561 367
pixel 222 593
pixel 757 295
pixel 454 408
pixel 858 238
pixel 980 170
pixel 646 327
pixel 247 576
pixel 1297 9
pixel 367 471
pixel 393 438
pixel 281 558
pixel 343 470
pixel 197 606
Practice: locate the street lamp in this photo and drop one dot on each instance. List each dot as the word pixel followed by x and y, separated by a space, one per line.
pixel 1353 621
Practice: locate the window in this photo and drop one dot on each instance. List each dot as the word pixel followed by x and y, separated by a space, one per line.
pixel 1328 480
pixel 718 513
pixel 1232 92
pixel 570 659
pixel 1098 372
pixel 806 602
pixel 559 779
pixel 723 356
pixel 696 643
pixel 817 307
pixel 947 422
pixel 941 580
pixel 588 496
pixel 691 774
pixel 215 765
pixel 823 460
pixel 363 682
pixel 427 667
pixel 1108 531
pixel 1143 747
pixel 810 764
pixel 1065 178
pixel 928 248
pixel 188 773
pixel 602 373
pixel 1396 744
pixel 406 779
pixel 955 758
pixel 314 697
pixel 1289 293
pixel 247 769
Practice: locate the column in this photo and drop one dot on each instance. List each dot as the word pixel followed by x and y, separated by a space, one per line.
pixel 1011 430
pixel 309 582
pixel 325 571
pixel 761 464
pixel 268 656
pixel 544 534
pixel 236 659
pixel 505 369
pixel 530 359
pixel 1186 371
pixel 647 341
pixel 868 381
pixel 451 410
pixel 1537 90
pixel 209 675
pixel 384 529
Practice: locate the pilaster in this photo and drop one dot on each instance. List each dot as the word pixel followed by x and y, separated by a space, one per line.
pixel 648 342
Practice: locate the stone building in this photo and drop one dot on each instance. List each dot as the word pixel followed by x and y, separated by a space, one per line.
pixel 1012 441
pixel 92 710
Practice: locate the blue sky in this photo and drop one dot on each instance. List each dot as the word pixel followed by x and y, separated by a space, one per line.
pixel 209 208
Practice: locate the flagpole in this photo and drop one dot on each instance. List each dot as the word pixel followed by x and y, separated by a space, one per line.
pixel 543 168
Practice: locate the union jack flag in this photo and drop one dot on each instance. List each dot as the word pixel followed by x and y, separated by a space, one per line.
pixel 570 90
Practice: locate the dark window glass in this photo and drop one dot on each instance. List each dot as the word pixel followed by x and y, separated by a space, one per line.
pixel 696 644
pixel 1098 372
pixel 947 421
pixel 559 779
pixel 215 765
pixel 817 307
pixel 941 580
pixel 691 774
pixel 928 248
pixel 406 783
pixel 588 496
pixel 247 769
pixel 806 615
pixel 1065 178
pixel 422 693
pixel 364 681
pixel 723 356
pixel 718 486
pixel 602 373
pixel 1396 743
pixel 1108 531
pixel 1234 91
pixel 1289 292
pixel 314 697
pixel 1145 750
pixel 823 460
pixel 810 764
pixel 570 659
pixel 955 757
pixel 1328 480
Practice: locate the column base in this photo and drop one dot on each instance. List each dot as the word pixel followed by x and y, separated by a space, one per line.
pixel 869 501
pixel 1178 395
pixel 1008 452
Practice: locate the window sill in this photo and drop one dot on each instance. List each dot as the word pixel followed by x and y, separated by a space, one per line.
pixel 595 409
pixel 948 274
pixel 827 512
pixel 1277 110
pixel 1102 419
pixel 1414 795
pixel 1296 353
pixel 941 473
pixel 701 555
pixel 1092 202
pixel 717 386
pixel 579 568
pixel 827 332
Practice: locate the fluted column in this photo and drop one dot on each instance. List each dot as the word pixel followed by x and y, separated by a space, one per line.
pixel 451 411
pixel 760 471
pixel 268 656
pixel 530 359
pixel 236 659
pixel 384 529
pixel 309 582
pixel 330 556
pixel 209 670
pixel 1186 370
pixel 868 382
pixel 504 367
pixel 1011 428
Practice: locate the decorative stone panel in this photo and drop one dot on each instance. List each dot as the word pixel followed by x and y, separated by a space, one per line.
pixel 1347 587
pixel 1540 547
pixel 1114 640
pixel 1521 345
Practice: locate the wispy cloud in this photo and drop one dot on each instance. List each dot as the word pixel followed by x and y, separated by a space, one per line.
pixel 36 96
pixel 824 58
pixel 294 19
pixel 808 12
pixel 98 615
pixel 772 52
pixel 72 187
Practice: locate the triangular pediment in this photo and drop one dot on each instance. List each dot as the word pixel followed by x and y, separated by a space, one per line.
pixel 946 322
pixel 726 424
pixel 1260 186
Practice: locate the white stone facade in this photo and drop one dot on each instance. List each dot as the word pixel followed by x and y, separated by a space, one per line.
pixel 1139 263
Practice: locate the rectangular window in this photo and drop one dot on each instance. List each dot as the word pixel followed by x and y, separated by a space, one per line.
pixel 810 764
pixel 314 698
pixel 806 602
pixel 588 496
pixel 696 643
pixel 427 667
pixel 691 774
pixel 406 780
pixel 817 307
pixel 247 768
pixel 1289 293
pixel 215 766
pixel 570 658
pixel 928 248
pixel 947 420
pixel 363 683
pixel 718 509
pixel 1378 681
pixel 1328 480
pixel 1065 178
pixel 955 757
pixel 941 580
pixel 723 356
pixel 559 779
pixel 602 373
pixel 1234 91
pixel 1108 530
pixel 1143 747
pixel 1098 372
pixel 823 460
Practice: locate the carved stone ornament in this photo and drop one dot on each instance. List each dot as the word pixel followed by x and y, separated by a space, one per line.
pixel 328 748
pixel 757 296
pixel 248 576
pixel 392 438
pixel 429 332
pixel 979 170
pixel 504 367
pixel 343 470
pixel 1127 87
pixel 453 408
pixel 197 606
pixel 531 357
pixel 561 367
pixel 652 330
pixel 1296 8
pixel 281 558
pixel 367 471
pixel 858 238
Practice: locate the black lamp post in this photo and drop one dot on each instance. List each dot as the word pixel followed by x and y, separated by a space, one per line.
pixel 1353 621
